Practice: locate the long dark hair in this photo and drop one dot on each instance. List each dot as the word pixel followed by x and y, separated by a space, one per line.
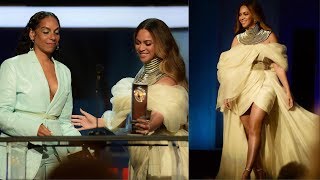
pixel 167 50
pixel 257 13
pixel 25 42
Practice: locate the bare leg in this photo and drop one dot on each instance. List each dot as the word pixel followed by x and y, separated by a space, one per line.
pixel 257 166
pixel 253 127
pixel 245 121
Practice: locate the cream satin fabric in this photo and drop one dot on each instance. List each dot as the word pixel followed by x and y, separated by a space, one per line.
pixel 234 67
pixel 288 135
pixel 154 162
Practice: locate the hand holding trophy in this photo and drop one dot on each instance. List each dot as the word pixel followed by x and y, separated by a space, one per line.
pixel 140 114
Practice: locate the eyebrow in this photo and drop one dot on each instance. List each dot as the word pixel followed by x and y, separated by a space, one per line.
pixel 44 27
pixel 243 12
pixel 144 40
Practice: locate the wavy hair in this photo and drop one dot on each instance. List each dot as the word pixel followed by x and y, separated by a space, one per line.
pixel 257 14
pixel 166 49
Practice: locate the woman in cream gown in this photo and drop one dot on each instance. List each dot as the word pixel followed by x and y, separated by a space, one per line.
pixel 263 129
pixel 164 72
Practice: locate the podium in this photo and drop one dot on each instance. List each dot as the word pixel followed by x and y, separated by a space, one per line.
pixel 116 146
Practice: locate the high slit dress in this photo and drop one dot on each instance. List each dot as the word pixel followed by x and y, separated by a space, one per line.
pixel 288 135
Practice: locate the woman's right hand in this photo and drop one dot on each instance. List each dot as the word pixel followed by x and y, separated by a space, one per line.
pixel 85 121
pixel 227 103
pixel 289 99
pixel 43 131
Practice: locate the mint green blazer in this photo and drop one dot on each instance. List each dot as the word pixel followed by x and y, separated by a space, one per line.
pixel 25 105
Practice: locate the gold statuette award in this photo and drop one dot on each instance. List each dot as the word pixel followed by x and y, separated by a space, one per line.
pixel 139 103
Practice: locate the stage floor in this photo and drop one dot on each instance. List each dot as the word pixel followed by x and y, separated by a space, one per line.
pixel 204 164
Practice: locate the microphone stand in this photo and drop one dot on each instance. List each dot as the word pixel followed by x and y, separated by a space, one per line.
pixel 96 131
pixel 97 146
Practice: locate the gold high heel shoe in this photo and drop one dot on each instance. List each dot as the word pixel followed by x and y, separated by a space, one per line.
pixel 246 173
pixel 259 173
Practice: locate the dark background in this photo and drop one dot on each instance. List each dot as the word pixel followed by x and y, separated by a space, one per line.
pixel 83 49
pixel 296 23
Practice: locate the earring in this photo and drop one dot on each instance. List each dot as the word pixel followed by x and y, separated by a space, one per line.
pixel 31 45
pixel 57 48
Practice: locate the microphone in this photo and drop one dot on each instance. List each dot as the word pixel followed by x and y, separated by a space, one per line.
pixel 99 73
pixel 99 70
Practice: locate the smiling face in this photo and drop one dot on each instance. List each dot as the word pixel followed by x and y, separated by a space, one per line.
pixel 246 17
pixel 145 45
pixel 46 36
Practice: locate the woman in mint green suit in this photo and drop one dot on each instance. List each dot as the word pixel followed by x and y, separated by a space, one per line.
pixel 35 100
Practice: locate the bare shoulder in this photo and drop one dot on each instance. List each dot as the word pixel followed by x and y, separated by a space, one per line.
pixel 235 42
pixel 272 38
pixel 167 81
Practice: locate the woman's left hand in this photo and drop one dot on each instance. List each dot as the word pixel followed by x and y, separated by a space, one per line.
pixel 143 126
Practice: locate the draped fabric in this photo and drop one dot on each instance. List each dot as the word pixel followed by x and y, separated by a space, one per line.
pixel 234 67
pixel 288 135
pixel 154 162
